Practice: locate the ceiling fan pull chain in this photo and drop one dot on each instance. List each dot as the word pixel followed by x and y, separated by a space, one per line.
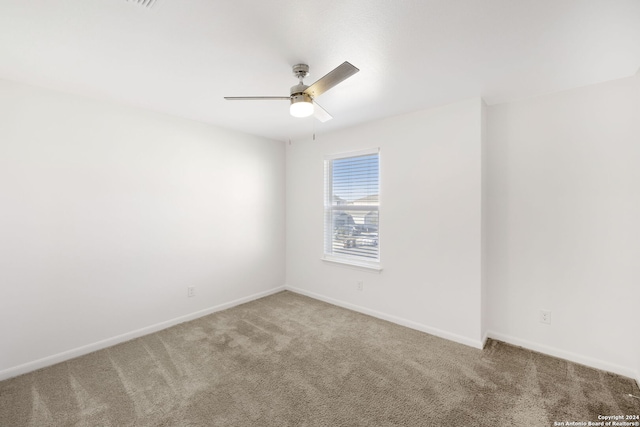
pixel 314 129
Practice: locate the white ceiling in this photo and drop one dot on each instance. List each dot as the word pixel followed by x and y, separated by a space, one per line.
pixel 182 56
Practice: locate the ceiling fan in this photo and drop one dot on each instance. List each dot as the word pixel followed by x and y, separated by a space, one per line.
pixel 302 97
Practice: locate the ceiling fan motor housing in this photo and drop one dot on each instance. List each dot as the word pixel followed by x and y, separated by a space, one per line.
pixel 298 89
pixel 300 97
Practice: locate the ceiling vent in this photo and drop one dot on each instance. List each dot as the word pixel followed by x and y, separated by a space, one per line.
pixel 144 3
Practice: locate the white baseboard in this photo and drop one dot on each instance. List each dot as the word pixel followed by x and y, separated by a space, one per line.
pixel 99 345
pixel 566 355
pixel 393 319
pixel 551 351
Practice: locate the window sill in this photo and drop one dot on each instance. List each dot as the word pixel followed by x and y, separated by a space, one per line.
pixel 356 264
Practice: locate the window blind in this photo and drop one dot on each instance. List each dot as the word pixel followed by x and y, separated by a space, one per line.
pixel 352 206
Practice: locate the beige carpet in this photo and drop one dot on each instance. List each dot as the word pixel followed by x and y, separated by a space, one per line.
pixel 288 360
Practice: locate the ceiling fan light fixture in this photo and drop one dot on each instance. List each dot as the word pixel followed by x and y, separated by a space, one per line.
pixel 301 105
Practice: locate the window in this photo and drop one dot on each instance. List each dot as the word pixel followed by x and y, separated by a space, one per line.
pixel 352 208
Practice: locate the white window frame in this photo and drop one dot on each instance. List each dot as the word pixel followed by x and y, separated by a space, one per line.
pixel 328 255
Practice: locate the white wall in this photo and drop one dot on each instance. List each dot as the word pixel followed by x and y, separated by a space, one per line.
pixel 564 224
pixel 430 221
pixel 108 213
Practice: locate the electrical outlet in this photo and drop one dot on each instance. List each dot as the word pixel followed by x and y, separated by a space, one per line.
pixel 360 285
pixel 191 291
pixel 545 316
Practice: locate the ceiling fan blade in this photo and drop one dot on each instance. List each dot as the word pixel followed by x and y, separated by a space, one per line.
pixel 320 113
pixel 337 75
pixel 257 98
